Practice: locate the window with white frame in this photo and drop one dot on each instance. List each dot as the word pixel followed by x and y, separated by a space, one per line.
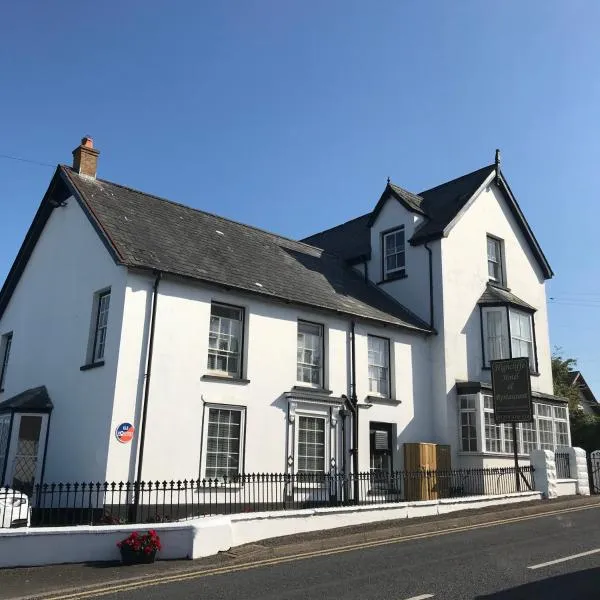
pixel 379 367
pixel 224 443
pixel 495 259
pixel 5 345
pixel 468 423
pixel 394 253
pixel 311 444
pixel 310 352
pixel 100 327
pixel 495 334
pixel 225 339
pixel 496 342
pixel 549 429
pixel 493 432
pixel 521 336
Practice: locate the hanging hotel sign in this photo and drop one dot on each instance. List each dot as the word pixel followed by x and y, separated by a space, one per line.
pixel 124 432
pixel 511 389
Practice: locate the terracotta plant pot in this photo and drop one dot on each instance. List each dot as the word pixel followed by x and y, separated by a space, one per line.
pixel 131 557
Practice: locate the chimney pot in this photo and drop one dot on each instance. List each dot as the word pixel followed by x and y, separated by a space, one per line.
pixel 85 157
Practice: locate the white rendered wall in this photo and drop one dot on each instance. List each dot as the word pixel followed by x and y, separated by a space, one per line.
pixel 178 392
pixel 464 266
pixel 50 314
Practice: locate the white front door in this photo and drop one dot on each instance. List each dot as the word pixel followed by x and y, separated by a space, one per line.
pixel 26 451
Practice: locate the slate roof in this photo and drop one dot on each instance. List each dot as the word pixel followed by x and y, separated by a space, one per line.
pixel 439 205
pixel 496 295
pixel 34 399
pixel 145 231
pixel 350 241
pixel 443 202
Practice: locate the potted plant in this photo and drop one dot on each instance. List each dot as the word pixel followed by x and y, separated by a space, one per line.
pixel 139 548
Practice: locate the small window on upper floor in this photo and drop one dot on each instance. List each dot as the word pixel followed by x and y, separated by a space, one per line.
pixel 495 259
pixel 394 253
pixel 225 340
pixel 5 344
pixel 310 353
pixel 98 330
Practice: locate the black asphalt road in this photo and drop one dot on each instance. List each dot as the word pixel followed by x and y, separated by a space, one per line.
pixel 482 563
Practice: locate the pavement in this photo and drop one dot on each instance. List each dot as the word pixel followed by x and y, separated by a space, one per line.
pixel 483 554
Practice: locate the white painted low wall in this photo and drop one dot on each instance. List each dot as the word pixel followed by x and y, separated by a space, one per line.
pixel 566 487
pixel 210 535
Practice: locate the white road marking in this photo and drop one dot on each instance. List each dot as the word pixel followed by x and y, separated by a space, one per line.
pixel 421 597
pixel 565 559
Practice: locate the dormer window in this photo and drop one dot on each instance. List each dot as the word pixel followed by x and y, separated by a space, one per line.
pixel 394 254
pixel 495 259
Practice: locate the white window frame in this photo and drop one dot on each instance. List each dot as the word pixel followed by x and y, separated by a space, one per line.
pixel 325 421
pixel 517 338
pixel 504 347
pixel 505 429
pixel 302 349
pixel 375 383
pixel 508 339
pixel 5 347
pixel 497 261
pixel 226 352
pixel 399 251
pixel 467 405
pixel 242 440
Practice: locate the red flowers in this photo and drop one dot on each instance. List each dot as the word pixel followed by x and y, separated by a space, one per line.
pixel 146 542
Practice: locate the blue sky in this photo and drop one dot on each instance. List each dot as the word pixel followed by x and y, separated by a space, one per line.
pixel 289 115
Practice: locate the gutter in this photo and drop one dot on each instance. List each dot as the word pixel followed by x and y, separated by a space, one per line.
pixel 146 395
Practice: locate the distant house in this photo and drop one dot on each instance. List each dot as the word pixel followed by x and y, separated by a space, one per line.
pixel 587 401
pixel 132 326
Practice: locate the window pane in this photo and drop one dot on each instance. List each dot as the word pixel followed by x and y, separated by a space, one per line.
pixel 223 443
pixel 378 358
pixel 309 353
pixel 393 249
pixel 225 339
pixel 101 326
pixel 311 445
pixel 7 343
pixel 497 346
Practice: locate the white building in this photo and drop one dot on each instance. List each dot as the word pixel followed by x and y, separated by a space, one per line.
pixel 230 349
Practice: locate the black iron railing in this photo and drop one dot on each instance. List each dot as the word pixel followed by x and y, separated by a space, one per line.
pixel 563 465
pixel 113 503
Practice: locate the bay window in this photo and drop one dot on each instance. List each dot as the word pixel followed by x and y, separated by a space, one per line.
pixel 548 430
pixel 507 333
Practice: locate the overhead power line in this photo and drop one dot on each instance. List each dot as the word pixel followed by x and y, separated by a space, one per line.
pixel 27 160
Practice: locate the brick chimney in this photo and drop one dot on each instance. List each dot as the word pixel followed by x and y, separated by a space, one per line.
pixel 85 157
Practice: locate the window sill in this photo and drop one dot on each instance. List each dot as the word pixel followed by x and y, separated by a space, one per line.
pixel 498 285
pixel 315 390
pixel 225 379
pixel 94 365
pixel 383 400
pixel 393 277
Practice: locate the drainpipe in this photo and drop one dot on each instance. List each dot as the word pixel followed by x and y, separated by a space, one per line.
pixel 352 404
pixel 430 285
pixel 146 390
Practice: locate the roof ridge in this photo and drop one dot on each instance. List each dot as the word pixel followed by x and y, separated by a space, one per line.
pixel 205 212
pixel 392 184
pixel 493 165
